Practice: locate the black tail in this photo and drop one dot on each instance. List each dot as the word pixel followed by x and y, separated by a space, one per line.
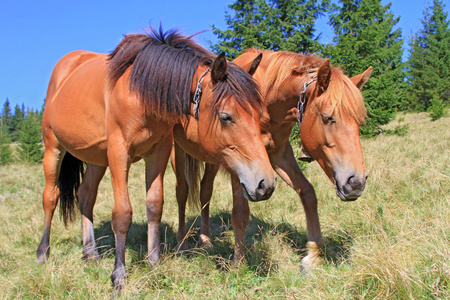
pixel 68 183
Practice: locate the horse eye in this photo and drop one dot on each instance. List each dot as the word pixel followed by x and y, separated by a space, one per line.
pixel 328 119
pixel 225 118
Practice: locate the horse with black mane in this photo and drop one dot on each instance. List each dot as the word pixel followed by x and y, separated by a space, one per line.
pixel 113 110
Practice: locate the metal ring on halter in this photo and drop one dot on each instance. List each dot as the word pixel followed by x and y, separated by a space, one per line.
pixel 197 93
pixel 302 100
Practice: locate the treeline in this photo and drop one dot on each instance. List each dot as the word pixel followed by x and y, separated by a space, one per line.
pixel 365 34
pixel 20 134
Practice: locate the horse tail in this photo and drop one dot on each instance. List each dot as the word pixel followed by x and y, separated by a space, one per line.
pixel 68 183
pixel 193 171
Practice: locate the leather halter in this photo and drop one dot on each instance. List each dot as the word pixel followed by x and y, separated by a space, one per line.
pixel 197 95
pixel 302 101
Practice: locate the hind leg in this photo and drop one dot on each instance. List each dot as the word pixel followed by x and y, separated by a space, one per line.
pixel 178 158
pixel 52 163
pixel 87 193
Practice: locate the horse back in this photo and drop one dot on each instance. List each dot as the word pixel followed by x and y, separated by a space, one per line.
pixel 65 66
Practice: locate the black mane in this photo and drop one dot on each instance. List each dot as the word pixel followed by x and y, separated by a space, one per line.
pixel 162 70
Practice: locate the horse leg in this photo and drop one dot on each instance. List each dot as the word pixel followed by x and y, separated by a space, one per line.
pixel 155 167
pixel 119 164
pixel 52 163
pixel 287 168
pixel 239 218
pixel 178 158
pixel 206 190
pixel 87 193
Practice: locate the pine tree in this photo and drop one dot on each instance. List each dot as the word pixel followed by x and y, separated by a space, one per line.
pixel 5 149
pixel 30 138
pixel 429 60
pixel 16 122
pixel 437 109
pixel 364 36
pixel 6 116
pixel 270 25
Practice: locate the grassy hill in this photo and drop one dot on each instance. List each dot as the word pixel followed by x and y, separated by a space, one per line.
pixel 393 242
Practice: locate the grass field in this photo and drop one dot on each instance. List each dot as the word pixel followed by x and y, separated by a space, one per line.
pixel 392 243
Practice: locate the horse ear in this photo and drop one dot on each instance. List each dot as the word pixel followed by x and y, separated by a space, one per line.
pixel 255 64
pixel 219 68
pixel 361 79
pixel 323 76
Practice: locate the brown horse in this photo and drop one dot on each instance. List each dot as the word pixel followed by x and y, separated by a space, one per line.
pixel 330 107
pixel 114 110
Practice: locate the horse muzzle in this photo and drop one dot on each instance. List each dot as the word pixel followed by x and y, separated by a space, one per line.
pixel 351 187
pixel 263 191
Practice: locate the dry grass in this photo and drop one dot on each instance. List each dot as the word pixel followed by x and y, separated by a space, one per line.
pixel 393 243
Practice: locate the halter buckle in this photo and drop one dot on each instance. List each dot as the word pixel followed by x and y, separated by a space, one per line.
pixel 302 100
pixel 197 95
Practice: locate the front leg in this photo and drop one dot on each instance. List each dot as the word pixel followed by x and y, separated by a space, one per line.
pixel 206 190
pixel 155 167
pixel 239 218
pixel 119 164
pixel 287 168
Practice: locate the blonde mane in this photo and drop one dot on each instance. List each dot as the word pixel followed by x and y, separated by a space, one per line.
pixel 345 97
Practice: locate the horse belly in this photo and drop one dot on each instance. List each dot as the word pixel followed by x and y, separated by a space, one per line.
pixel 78 114
pixel 83 137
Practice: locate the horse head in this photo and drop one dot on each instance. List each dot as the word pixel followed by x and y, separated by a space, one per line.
pixel 330 128
pixel 228 120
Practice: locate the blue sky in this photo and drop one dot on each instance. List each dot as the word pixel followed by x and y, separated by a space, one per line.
pixel 36 34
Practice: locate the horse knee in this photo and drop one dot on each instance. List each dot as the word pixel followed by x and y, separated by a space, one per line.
pixel 308 195
pixel 154 210
pixel 121 221
pixel 240 218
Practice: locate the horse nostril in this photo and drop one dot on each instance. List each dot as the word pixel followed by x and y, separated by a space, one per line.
pixel 261 186
pixel 264 191
pixel 351 180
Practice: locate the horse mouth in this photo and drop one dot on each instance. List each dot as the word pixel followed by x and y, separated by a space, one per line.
pixel 247 196
pixel 341 194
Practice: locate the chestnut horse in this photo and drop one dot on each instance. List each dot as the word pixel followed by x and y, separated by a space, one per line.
pixel 114 110
pixel 330 108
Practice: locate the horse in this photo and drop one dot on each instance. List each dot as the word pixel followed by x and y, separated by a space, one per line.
pixel 329 108
pixel 113 110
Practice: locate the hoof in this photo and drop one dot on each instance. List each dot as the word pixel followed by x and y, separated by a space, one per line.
pixel 312 260
pixel 91 256
pixel 41 259
pixel 153 259
pixel 237 260
pixel 205 241
pixel 118 278
pixel 42 254
pixel 308 263
pixel 182 247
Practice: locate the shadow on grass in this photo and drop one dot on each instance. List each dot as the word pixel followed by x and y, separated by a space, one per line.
pixel 335 247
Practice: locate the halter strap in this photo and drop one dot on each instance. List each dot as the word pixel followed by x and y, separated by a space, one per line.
pixel 197 95
pixel 302 101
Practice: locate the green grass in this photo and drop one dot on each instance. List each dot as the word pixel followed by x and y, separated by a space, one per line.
pixel 392 243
